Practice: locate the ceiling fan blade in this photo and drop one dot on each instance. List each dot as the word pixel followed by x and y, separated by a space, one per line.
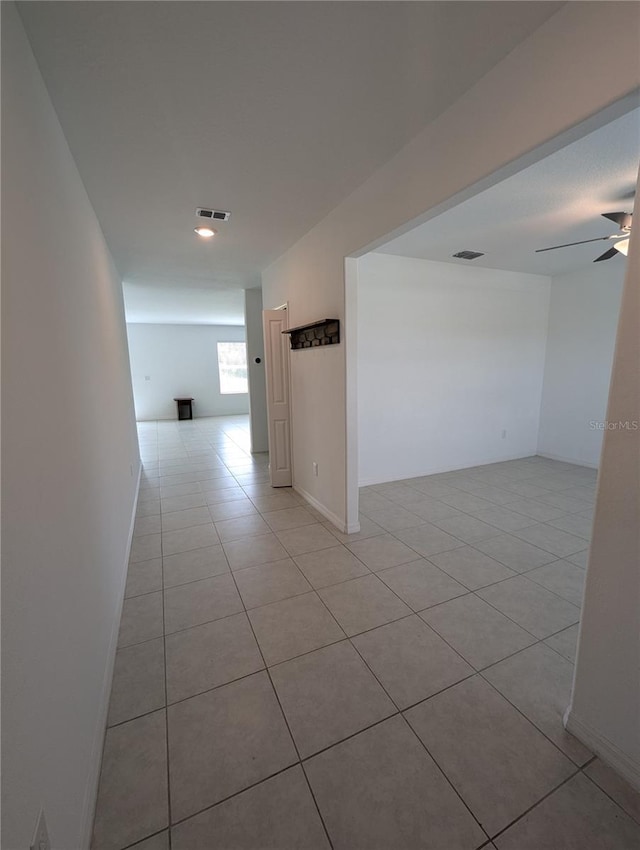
pixel 569 244
pixel 607 255
pixel 621 219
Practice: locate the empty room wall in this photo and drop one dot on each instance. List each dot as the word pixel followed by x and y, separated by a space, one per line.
pixel 449 358
pixel 583 318
pixel 70 467
pixel 180 360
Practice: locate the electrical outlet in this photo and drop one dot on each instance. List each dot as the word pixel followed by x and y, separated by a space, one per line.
pixel 315 468
pixel 41 834
pixel 147 377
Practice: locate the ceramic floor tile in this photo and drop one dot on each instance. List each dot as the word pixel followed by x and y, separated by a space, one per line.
pixel 489 492
pixel 138 681
pixel 278 501
pixel 228 494
pixel 240 527
pixel 477 631
pixel 562 578
pixel 141 619
pixel 381 790
pixel 185 519
pixel 575 817
pixel 466 528
pixel 147 525
pixel 159 841
pixel 292 627
pixel 278 814
pixel 182 503
pixel 430 510
pixel 132 796
pixel 148 507
pixel 328 695
pixel 169 491
pixel 288 518
pixel 194 565
pixel 144 577
pixel 533 607
pixel 466 502
pixel 186 539
pixel 410 660
pixel 499 763
pixel 553 540
pixel 145 548
pixel 362 603
pixel 394 517
pixel 428 540
pixel 580 559
pixel 270 583
pixel 308 538
pixel 253 551
pixel 239 726
pixel 525 489
pixel 330 566
pixel 231 510
pixel 504 519
pixel 575 524
pixel 200 602
pixel 421 584
pixel 514 553
pixel 210 655
pixel 535 510
pixel 616 787
pixel 538 682
pixel 471 568
pixel 569 504
pixel 565 642
pixel 378 553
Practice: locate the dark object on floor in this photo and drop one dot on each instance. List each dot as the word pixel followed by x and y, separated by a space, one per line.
pixel 185 409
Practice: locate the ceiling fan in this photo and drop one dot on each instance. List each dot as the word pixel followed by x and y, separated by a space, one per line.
pixel 623 220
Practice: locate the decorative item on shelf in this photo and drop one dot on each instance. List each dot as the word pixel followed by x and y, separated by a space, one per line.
pixel 315 335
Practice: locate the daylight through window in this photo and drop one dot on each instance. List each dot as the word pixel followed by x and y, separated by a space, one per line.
pixel 232 366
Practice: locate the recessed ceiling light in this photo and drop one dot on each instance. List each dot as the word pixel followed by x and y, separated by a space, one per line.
pixel 205 232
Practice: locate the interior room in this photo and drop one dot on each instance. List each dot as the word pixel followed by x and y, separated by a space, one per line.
pixel 507 354
pixel 387 598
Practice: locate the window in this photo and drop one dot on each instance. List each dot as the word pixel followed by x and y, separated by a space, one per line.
pixel 232 366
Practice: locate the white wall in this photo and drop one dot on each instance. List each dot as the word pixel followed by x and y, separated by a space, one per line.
pixel 605 705
pixel 583 317
pixel 569 71
pixel 180 360
pixel 257 381
pixel 449 357
pixel 70 467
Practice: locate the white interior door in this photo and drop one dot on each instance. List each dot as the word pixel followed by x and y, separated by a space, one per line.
pixel 276 357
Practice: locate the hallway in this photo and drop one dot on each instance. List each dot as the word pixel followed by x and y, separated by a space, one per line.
pixel 281 685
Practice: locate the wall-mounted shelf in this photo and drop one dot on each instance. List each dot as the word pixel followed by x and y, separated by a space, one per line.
pixel 315 335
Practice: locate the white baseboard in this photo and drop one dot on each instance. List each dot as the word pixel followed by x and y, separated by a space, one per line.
pixel 91 793
pixel 573 460
pixel 333 519
pixel 627 767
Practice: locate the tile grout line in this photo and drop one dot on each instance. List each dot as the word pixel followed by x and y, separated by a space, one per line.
pixel 282 712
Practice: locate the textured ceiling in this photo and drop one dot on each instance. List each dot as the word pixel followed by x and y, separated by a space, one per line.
pixel 559 199
pixel 275 111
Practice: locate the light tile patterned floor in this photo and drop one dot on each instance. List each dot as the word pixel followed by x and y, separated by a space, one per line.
pixel 281 685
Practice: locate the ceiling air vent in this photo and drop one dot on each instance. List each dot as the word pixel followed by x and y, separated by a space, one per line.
pixel 468 255
pixel 218 215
